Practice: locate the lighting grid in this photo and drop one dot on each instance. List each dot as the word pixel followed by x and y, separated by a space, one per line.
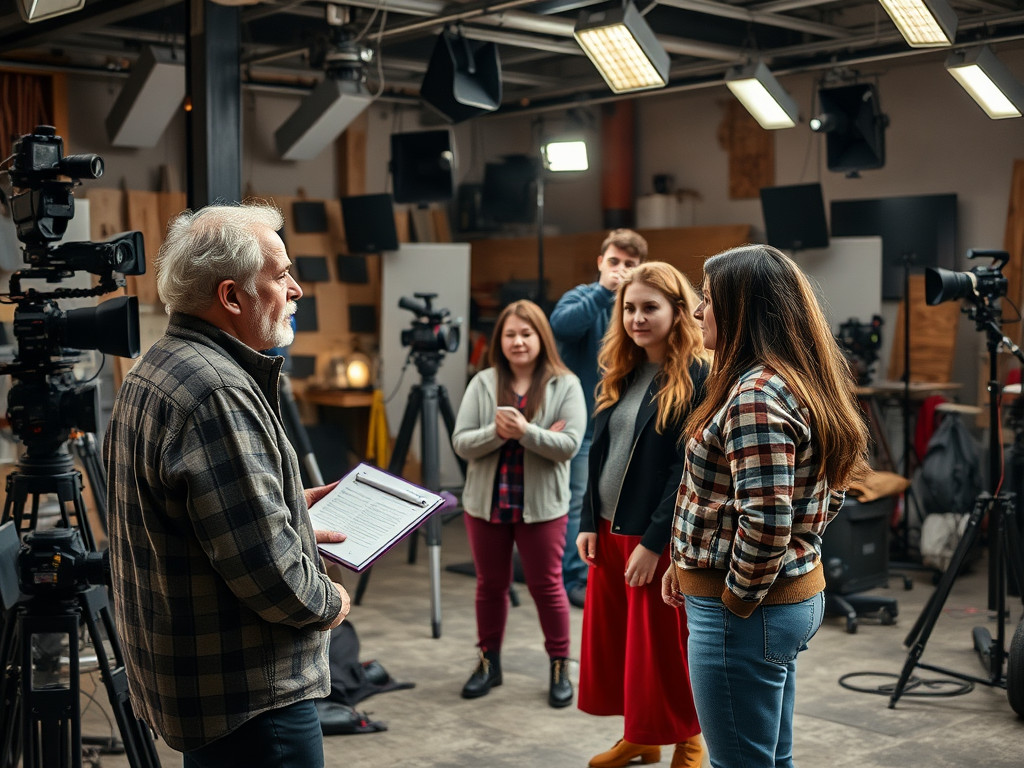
pixel 988 81
pixel 923 23
pixel 624 49
pixel 762 95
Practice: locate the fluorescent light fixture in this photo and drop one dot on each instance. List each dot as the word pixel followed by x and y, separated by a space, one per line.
pixel 923 23
pixel 623 47
pixel 988 81
pixel 149 99
pixel 321 118
pixel 39 10
pixel 565 156
pixel 758 90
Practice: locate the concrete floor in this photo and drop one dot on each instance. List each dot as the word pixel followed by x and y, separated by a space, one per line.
pixel 431 725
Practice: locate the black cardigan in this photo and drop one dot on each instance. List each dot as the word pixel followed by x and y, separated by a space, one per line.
pixel 647 498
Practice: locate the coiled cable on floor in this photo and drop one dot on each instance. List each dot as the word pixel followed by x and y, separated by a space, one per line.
pixel 939 687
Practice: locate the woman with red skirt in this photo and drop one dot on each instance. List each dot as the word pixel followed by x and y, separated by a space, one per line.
pixel 633 659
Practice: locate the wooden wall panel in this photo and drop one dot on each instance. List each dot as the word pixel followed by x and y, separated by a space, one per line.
pixel 932 337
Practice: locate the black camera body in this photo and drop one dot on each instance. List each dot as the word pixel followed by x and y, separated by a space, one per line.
pixel 55 562
pixel 432 330
pixel 860 343
pixel 981 285
pixel 46 402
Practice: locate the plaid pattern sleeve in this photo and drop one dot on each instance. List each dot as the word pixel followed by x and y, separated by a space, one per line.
pixel 752 502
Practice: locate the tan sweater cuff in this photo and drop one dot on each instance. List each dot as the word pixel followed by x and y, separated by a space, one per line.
pixel 742 608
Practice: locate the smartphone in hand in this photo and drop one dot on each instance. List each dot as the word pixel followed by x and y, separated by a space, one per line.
pixel 508 409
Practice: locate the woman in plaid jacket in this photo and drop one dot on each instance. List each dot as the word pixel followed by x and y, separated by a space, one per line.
pixel 770 450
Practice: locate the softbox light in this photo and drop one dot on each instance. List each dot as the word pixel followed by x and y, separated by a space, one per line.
pixel 40 10
pixel 149 100
pixel 463 78
pixel 321 118
pixel 852 120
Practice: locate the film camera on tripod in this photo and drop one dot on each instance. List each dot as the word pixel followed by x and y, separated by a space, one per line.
pixel 58 572
pixel 860 343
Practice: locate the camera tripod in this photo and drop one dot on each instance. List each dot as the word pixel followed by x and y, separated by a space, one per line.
pixel 1005 553
pixel 426 401
pixel 40 717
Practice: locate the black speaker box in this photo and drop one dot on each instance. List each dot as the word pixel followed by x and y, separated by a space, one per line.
pixel 463 78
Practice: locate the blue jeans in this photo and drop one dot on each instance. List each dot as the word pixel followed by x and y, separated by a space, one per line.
pixel 289 737
pixel 574 570
pixel 743 677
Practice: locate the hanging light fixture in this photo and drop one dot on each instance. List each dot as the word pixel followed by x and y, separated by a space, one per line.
pixel 623 47
pixel 923 23
pixel 758 90
pixel 40 10
pixel 988 81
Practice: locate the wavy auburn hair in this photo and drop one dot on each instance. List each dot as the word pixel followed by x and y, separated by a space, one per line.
pixel 547 365
pixel 767 314
pixel 620 355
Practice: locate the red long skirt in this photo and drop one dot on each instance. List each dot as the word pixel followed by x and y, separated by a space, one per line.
pixel 633 659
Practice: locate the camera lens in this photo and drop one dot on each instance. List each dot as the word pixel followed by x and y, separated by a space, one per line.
pixel 945 285
pixel 82 166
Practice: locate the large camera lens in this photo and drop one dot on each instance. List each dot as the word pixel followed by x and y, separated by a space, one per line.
pixel 82 166
pixel 945 285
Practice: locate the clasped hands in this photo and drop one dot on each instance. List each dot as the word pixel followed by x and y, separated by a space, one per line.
pixel 511 424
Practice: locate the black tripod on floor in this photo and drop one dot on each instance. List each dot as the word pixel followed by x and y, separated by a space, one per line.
pixel 61 575
pixel 427 400
pixel 1004 545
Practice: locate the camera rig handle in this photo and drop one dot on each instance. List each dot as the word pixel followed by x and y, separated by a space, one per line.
pixel 1000 257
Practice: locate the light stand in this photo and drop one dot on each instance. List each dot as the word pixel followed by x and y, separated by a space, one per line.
pixel 541 293
pixel 1005 542
pixel 556 156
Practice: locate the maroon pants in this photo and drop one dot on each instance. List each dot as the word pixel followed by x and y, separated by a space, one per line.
pixel 633 659
pixel 540 549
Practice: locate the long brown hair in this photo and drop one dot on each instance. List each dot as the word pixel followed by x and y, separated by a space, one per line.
pixel 547 364
pixel 767 314
pixel 620 355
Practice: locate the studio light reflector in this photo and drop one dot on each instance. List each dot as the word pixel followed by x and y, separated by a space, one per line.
pixel 758 90
pixel 988 81
pixel 923 23
pixel 463 79
pixel 321 118
pixel 623 47
pixel 39 10
pixel 565 156
pixel 149 100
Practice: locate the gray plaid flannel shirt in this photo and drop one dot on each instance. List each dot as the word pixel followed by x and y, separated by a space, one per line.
pixel 752 501
pixel 219 593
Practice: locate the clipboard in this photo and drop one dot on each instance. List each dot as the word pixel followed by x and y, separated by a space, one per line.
pixel 376 510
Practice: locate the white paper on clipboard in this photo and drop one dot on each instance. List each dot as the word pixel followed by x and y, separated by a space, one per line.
pixel 374 510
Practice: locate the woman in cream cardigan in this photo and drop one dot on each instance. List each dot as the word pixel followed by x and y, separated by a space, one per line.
pixel 520 423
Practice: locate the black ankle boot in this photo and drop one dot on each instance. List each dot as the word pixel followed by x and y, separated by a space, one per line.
pixel 560 692
pixel 487 675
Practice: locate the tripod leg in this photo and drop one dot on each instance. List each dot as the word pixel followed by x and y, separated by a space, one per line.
pixel 934 608
pixel 431 455
pixel 297 432
pixel 10 692
pixel 445 405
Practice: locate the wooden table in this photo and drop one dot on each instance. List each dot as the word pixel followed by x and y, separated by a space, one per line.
pixel 348 410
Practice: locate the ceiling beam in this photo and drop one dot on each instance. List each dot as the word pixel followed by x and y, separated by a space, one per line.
pixel 758 17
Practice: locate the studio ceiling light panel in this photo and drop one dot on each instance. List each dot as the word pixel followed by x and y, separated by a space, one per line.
pixel 39 10
pixel 565 156
pixel 923 23
pixel 149 100
pixel 988 81
pixel 321 118
pixel 624 49
pixel 758 90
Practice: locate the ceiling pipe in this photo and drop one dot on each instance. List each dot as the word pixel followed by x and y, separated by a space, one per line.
pixel 777 6
pixel 456 12
pixel 507 76
pixel 521 41
pixel 757 17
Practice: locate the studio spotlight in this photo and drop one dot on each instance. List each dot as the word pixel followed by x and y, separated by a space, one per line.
pixel 988 81
pixel 463 78
pixel 623 47
pixel 149 100
pixel 565 155
pixel 854 127
pixel 923 23
pixel 338 100
pixel 758 90
pixel 40 10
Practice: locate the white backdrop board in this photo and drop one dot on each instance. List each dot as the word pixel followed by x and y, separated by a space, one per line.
pixel 847 277
pixel 441 268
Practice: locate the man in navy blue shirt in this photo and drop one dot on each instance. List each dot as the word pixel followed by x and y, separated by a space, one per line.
pixel 579 321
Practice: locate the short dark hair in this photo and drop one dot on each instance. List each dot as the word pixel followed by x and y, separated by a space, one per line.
pixel 626 240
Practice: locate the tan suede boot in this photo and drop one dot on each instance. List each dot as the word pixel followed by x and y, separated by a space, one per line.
pixel 688 753
pixel 623 752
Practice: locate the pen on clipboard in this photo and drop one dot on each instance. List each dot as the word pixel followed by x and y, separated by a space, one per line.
pixel 398 493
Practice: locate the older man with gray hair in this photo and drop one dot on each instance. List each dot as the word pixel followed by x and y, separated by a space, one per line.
pixel 222 601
